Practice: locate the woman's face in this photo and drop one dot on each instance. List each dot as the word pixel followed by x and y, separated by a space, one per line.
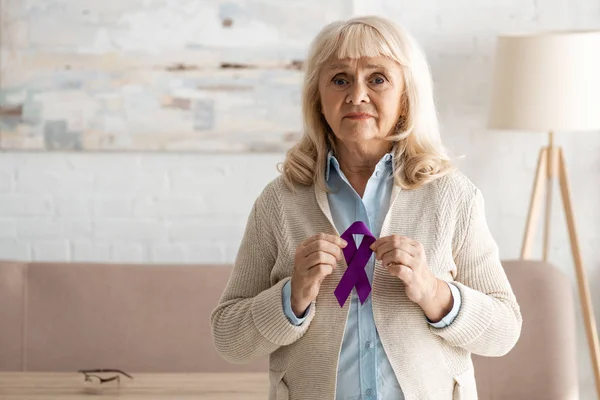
pixel 360 98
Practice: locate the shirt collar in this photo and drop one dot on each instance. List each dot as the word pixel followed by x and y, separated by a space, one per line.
pixel 387 161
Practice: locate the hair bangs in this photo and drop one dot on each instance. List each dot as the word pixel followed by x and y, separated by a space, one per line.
pixel 361 40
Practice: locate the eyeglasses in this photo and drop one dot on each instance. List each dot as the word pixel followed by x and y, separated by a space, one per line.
pixel 91 375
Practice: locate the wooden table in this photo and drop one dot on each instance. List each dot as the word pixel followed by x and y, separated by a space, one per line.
pixel 146 386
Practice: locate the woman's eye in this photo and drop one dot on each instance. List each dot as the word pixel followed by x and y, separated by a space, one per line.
pixel 378 80
pixel 339 81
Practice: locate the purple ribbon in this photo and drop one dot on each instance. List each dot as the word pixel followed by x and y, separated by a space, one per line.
pixel 357 259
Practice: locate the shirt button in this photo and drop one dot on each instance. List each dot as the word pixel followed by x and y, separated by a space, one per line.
pixel 368 345
pixel 376 174
pixel 369 392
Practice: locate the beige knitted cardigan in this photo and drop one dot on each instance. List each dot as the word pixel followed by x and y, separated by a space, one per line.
pixel 447 216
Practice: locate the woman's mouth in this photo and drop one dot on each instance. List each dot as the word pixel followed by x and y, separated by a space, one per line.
pixel 358 116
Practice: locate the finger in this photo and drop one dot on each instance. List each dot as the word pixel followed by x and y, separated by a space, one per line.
pixel 320 271
pixel 402 272
pixel 379 242
pixel 398 257
pixel 418 247
pixel 324 246
pixel 324 236
pixel 389 239
pixel 402 244
pixel 319 258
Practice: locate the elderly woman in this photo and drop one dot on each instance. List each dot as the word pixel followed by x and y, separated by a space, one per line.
pixel 367 270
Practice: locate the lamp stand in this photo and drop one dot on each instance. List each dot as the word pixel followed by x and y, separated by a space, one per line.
pixel 551 165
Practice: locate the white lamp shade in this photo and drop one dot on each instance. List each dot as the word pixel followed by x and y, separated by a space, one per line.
pixel 547 82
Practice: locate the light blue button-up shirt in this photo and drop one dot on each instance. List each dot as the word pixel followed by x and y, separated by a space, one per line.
pixel 364 370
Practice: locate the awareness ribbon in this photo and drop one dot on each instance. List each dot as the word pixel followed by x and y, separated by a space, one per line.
pixel 356 259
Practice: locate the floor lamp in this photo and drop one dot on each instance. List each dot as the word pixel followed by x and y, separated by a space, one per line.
pixel 549 82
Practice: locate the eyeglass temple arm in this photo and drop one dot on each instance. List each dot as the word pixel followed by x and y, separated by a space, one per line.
pixel 89 371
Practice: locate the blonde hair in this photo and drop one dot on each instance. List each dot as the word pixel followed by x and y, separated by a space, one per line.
pixel 418 152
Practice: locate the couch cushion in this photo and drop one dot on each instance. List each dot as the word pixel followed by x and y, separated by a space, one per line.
pixel 140 318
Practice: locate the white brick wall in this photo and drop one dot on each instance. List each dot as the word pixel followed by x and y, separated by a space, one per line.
pixel 171 208
pixel 128 207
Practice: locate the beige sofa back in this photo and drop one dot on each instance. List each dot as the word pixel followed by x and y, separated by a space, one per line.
pixel 64 317
pixel 143 318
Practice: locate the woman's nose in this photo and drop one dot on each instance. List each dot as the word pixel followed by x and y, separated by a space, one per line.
pixel 357 93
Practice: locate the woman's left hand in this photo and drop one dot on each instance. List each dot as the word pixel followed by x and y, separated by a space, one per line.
pixel 405 258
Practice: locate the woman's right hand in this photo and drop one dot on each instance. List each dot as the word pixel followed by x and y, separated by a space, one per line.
pixel 315 258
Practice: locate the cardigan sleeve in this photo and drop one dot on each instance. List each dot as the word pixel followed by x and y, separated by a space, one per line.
pixel 489 321
pixel 249 321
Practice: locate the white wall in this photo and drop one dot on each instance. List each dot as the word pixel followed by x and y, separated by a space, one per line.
pixel 192 207
pixel 127 207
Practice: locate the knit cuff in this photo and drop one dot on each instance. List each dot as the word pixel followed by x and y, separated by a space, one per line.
pixel 475 316
pixel 270 320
